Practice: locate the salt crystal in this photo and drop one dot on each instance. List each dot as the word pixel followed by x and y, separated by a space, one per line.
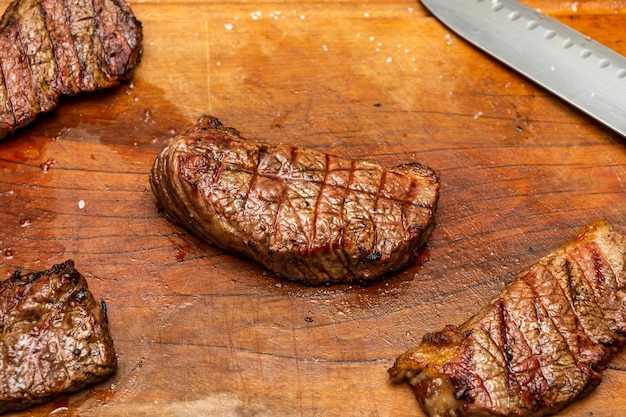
pixel 228 26
pixel 45 167
pixel 81 204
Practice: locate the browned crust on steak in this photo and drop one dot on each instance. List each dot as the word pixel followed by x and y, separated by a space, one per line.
pixel 50 48
pixel 537 346
pixel 306 215
pixel 54 337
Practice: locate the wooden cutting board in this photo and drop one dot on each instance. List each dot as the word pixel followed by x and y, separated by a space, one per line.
pixel 200 332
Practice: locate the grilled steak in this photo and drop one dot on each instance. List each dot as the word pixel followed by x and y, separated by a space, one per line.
pixel 537 346
pixel 50 48
pixel 306 215
pixel 54 337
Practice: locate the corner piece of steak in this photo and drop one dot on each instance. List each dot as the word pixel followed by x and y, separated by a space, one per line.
pixel 305 215
pixel 50 48
pixel 54 337
pixel 537 346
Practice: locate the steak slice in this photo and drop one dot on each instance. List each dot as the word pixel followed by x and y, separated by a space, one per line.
pixel 50 48
pixel 537 346
pixel 306 215
pixel 54 337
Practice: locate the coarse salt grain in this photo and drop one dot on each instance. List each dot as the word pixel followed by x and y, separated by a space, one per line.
pixel 228 26
pixel 81 204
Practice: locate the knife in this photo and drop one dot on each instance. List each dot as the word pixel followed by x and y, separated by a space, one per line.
pixel 574 67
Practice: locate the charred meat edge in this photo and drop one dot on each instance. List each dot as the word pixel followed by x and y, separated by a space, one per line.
pixel 305 215
pixel 537 346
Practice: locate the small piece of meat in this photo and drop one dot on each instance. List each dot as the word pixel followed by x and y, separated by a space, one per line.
pixel 537 346
pixel 50 48
pixel 306 215
pixel 54 337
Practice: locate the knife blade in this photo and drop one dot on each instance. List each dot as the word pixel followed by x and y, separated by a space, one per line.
pixel 567 63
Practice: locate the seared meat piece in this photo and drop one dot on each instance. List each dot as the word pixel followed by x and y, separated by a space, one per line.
pixel 54 337
pixel 305 215
pixel 537 346
pixel 50 48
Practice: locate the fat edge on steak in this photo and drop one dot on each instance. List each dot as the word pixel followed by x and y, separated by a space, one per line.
pixel 537 346
pixel 305 215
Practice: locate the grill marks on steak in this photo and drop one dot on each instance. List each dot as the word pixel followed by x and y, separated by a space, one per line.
pixel 305 215
pixel 537 346
pixel 50 48
pixel 54 337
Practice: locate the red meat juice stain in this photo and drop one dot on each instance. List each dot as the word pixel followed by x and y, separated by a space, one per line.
pixel 422 257
pixel 180 254
pixel 58 405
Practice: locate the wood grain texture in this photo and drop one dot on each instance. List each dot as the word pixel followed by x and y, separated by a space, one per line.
pixel 202 332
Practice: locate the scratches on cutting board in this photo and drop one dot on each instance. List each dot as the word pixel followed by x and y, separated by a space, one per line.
pixel 207 53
